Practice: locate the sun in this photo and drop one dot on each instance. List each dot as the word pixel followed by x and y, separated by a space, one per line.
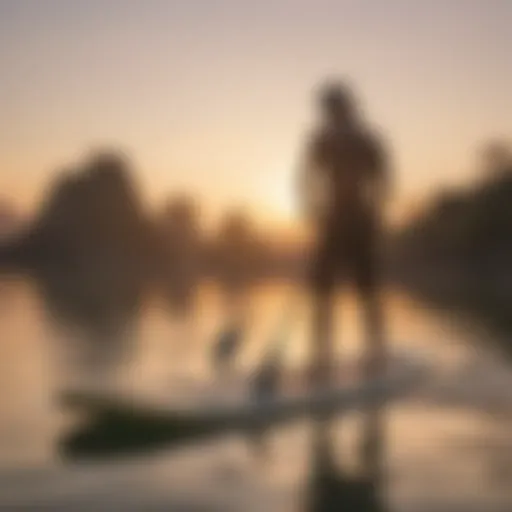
pixel 280 194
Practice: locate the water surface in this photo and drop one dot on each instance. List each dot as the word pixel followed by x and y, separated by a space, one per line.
pixel 449 448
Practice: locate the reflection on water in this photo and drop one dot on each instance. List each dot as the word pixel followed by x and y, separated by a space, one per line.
pixel 443 449
pixel 100 313
pixel 331 486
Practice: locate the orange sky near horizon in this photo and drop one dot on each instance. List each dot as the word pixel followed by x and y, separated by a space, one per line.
pixel 214 97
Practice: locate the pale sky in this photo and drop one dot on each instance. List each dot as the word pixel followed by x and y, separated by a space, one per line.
pixel 214 96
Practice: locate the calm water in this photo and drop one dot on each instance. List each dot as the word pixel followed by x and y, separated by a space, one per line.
pixel 450 448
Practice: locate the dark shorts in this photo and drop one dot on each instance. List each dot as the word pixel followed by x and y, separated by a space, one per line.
pixel 346 252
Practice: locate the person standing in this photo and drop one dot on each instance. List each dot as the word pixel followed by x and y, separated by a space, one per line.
pixel 344 183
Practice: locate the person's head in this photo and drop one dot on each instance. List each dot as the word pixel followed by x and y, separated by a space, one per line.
pixel 337 103
pixel 108 161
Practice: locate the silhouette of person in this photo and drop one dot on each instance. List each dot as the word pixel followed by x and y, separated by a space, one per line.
pixel 344 181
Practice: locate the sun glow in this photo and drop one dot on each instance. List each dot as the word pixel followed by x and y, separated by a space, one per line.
pixel 280 195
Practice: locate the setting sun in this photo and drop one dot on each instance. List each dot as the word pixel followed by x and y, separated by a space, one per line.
pixel 278 191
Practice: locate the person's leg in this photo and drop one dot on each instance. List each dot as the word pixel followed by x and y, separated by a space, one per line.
pixel 372 440
pixel 369 291
pixel 323 280
pixel 373 321
pixel 328 268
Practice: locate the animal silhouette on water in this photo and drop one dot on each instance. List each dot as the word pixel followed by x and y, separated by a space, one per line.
pixel 226 347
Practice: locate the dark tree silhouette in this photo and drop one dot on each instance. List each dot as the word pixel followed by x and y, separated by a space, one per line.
pixel 459 249
pixel 180 250
pixel 236 253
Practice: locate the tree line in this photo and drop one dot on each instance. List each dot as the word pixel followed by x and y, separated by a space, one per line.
pixel 93 220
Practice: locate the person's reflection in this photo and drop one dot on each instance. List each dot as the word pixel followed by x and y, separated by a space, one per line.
pixel 333 488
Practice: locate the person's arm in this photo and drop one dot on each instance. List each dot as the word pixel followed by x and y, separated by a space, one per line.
pixel 381 175
pixel 309 179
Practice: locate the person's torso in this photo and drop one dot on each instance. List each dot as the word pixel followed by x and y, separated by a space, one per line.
pixel 347 159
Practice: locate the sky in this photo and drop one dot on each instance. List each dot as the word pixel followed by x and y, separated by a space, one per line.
pixel 215 96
